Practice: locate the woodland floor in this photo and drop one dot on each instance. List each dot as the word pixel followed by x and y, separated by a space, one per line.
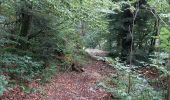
pixel 69 85
pixel 74 85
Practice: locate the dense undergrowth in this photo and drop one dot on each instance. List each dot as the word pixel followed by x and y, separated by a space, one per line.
pixel 137 82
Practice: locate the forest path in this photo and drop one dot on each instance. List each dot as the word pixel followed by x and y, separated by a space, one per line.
pixel 70 85
pixel 79 86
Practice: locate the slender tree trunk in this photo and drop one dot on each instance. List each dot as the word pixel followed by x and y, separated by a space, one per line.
pixel 26 24
pixel 82 28
pixel 156 33
pixel 0 6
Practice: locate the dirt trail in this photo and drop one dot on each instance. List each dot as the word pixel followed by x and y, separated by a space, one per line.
pixel 79 86
pixel 97 52
pixel 70 85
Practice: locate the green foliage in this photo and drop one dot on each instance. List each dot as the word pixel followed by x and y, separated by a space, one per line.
pixel 48 73
pixel 3 84
pixel 22 67
pixel 160 6
pixel 140 89
pixel 165 39
pixel 33 33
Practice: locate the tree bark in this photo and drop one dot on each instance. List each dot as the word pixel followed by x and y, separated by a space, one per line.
pixel 126 36
pixel 26 20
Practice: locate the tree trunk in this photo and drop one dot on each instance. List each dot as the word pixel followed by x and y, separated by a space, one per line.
pixel 82 28
pixel 0 6
pixel 126 36
pixel 26 20
pixel 156 33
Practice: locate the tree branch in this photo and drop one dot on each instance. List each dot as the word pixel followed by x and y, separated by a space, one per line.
pixel 35 34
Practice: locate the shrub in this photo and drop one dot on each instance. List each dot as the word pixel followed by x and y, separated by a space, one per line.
pixel 140 89
pixel 48 72
pixel 22 67
pixel 3 84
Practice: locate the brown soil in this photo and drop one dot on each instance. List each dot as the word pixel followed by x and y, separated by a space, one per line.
pixel 69 86
pixel 79 86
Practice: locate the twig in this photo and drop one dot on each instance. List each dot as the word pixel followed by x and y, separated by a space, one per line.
pixel 157 16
